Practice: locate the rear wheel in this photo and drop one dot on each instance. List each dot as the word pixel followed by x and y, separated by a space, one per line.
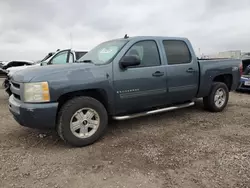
pixel 218 97
pixel 82 121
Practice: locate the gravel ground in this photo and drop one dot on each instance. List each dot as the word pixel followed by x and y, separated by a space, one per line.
pixel 186 148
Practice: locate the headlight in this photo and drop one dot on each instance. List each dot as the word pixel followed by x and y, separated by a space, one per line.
pixel 36 92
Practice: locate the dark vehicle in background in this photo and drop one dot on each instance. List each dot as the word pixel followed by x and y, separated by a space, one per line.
pixel 53 58
pixel 120 79
pixel 245 80
pixel 244 84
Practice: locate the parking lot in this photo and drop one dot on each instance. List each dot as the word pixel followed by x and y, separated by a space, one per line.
pixel 185 148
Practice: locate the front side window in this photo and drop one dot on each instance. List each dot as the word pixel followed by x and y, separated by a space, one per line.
pixel 177 52
pixel 104 52
pixel 60 58
pixel 148 53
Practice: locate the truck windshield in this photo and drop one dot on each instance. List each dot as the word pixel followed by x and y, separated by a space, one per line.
pixel 104 52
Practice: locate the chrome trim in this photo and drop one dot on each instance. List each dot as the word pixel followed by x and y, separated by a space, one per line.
pixel 154 111
pixel 15 90
pixel 142 93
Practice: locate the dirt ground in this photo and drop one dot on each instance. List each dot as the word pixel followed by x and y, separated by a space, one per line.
pixel 186 148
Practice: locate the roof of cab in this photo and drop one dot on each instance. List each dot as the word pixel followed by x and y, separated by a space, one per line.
pixel 151 38
pixel 155 37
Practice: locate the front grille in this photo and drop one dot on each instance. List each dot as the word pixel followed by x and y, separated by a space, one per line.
pixel 16 85
pixel 17 96
pixel 15 89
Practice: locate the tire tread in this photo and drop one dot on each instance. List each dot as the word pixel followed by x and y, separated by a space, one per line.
pixel 208 100
pixel 68 105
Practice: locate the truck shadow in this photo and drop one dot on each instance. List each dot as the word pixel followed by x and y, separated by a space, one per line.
pixel 41 139
pixel 121 126
pixel 242 92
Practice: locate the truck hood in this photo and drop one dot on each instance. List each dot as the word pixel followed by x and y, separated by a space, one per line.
pixel 28 74
pixel 12 70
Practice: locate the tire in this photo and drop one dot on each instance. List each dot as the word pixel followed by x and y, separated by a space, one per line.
pixel 66 115
pixel 209 101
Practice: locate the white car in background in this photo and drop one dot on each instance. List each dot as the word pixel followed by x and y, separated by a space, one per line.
pixel 59 57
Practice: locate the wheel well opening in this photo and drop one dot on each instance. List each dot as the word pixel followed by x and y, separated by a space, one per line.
pixel 97 94
pixel 226 78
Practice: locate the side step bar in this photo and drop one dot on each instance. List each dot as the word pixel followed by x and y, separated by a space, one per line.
pixel 171 108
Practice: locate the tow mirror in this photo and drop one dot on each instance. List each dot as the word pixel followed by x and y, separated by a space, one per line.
pixel 128 61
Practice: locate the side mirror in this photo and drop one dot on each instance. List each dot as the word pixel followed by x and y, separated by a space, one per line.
pixel 128 61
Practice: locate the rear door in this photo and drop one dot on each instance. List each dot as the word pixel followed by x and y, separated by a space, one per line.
pixel 182 70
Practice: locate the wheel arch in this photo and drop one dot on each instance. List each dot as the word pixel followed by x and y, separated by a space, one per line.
pixel 224 78
pixel 96 93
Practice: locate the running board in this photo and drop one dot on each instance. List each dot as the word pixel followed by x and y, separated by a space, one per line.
pixel 154 111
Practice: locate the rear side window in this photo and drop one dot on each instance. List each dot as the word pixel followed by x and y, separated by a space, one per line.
pixel 177 52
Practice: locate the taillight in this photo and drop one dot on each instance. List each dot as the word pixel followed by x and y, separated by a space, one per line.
pixel 241 69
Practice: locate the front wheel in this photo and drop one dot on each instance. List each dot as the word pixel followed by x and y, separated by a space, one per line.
pixel 82 121
pixel 218 97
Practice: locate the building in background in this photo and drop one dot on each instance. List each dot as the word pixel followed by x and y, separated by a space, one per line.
pixel 245 55
pixel 235 54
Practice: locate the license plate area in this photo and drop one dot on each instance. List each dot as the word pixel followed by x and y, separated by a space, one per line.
pixel 247 83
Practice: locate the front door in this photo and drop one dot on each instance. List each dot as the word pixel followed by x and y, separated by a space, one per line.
pixel 141 87
pixel 182 71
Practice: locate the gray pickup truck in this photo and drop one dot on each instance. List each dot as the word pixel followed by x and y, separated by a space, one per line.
pixel 119 79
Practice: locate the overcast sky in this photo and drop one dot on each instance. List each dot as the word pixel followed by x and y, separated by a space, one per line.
pixel 31 28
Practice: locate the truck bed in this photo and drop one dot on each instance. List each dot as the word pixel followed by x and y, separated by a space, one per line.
pixel 208 70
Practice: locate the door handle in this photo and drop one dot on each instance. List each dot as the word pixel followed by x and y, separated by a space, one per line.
pixel 190 70
pixel 158 73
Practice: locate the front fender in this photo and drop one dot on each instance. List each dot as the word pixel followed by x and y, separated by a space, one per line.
pixel 61 83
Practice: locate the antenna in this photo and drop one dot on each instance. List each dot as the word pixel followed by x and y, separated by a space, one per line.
pixel 126 36
pixel 70 40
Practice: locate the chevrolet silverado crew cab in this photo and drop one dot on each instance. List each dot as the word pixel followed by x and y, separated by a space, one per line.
pixel 119 79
